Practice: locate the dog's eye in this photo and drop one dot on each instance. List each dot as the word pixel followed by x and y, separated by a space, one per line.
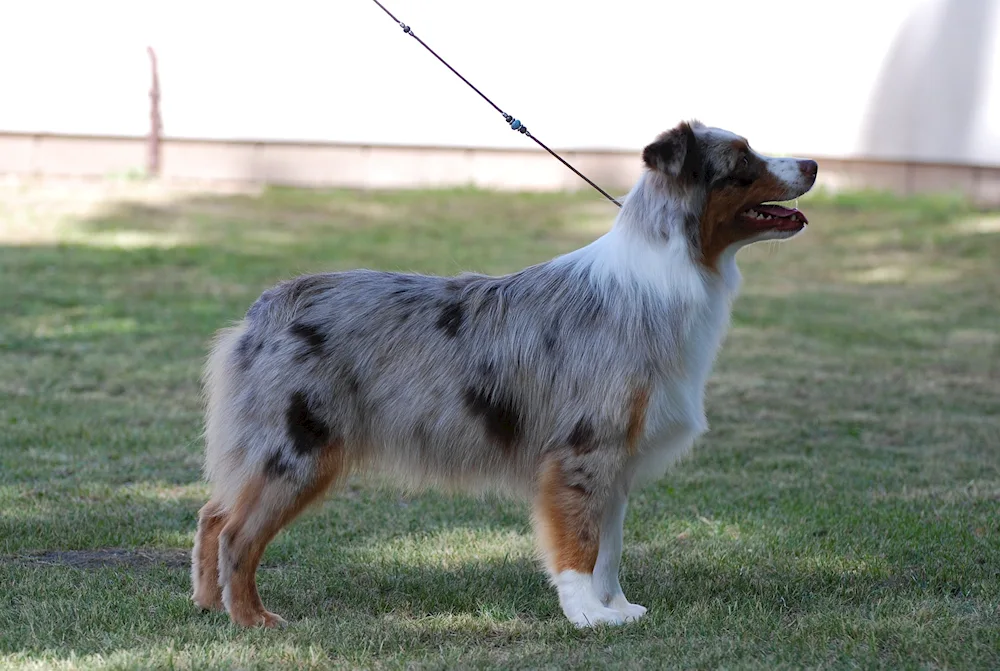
pixel 745 162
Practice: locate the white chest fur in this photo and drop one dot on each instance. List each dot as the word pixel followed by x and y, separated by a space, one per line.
pixel 700 302
pixel 676 414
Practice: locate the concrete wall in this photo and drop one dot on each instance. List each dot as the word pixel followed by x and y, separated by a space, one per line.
pixel 376 166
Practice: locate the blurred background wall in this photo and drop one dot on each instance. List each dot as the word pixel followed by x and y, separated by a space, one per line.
pixel 893 94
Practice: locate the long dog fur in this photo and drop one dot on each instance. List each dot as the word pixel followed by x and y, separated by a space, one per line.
pixel 569 382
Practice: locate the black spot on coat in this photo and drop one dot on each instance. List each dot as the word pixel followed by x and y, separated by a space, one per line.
pixel 693 170
pixel 450 319
pixel 246 351
pixel 422 435
pixel 499 415
pixel 551 336
pixel 581 438
pixel 311 335
pixel 353 381
pixel 692 230
pixel 243 352
pixel 276 467
pixel 299 287
pixel 306 430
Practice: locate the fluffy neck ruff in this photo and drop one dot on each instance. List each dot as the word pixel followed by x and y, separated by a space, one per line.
pixel 653 247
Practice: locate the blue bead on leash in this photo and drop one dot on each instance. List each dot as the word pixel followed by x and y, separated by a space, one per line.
pixel 515 124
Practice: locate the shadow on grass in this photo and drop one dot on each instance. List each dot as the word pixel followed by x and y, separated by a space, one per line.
pixel 341 602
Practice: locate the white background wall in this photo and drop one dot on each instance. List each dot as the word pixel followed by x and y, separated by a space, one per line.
pixel 898 79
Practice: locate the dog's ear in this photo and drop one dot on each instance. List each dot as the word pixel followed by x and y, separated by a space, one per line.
pixel 676 153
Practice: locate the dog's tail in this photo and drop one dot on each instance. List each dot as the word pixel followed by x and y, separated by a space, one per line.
pixel 225 457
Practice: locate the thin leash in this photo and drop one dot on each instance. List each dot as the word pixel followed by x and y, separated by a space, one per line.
pixel 515 124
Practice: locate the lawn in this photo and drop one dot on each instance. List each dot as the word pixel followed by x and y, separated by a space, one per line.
pixel 843 511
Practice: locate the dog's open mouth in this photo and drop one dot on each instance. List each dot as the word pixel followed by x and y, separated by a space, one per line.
pixel 768 216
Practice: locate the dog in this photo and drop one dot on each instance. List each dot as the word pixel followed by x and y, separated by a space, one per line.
pixel 571 383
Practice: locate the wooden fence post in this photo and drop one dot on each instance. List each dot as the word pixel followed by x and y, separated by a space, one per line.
pixel 155 122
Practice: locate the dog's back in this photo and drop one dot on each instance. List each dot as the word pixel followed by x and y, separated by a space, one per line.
pixel 466 381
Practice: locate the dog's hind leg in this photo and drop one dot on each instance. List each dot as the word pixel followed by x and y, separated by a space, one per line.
pixel 569 507
pixel 205 557
pixel 266 503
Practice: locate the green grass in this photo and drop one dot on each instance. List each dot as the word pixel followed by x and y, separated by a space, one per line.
pixel 844 510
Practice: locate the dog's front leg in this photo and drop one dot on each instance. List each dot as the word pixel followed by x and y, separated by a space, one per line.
pixel 569 508
pixel 606 582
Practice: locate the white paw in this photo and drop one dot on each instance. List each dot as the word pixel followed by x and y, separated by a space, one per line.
pixel 594 615
pixel 630 611
pixel 579 603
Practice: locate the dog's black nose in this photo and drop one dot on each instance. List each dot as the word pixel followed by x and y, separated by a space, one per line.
pixel 809 168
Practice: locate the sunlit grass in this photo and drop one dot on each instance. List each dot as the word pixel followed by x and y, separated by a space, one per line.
pixel 842 512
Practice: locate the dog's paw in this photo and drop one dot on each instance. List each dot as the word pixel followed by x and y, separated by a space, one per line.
pixel 275 621
pixel 595 615
pixel 258 619
pixel 209 601
pixel 579 603
pixel 630 611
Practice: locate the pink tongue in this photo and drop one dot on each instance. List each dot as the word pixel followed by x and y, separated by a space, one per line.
pixel 775 210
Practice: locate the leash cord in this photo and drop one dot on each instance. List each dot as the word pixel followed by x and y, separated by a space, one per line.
pixel 515 124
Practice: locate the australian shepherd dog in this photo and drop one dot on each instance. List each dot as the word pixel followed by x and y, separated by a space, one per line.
pixel 571 383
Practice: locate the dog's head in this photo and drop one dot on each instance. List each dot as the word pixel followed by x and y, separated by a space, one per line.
pixel 729 187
